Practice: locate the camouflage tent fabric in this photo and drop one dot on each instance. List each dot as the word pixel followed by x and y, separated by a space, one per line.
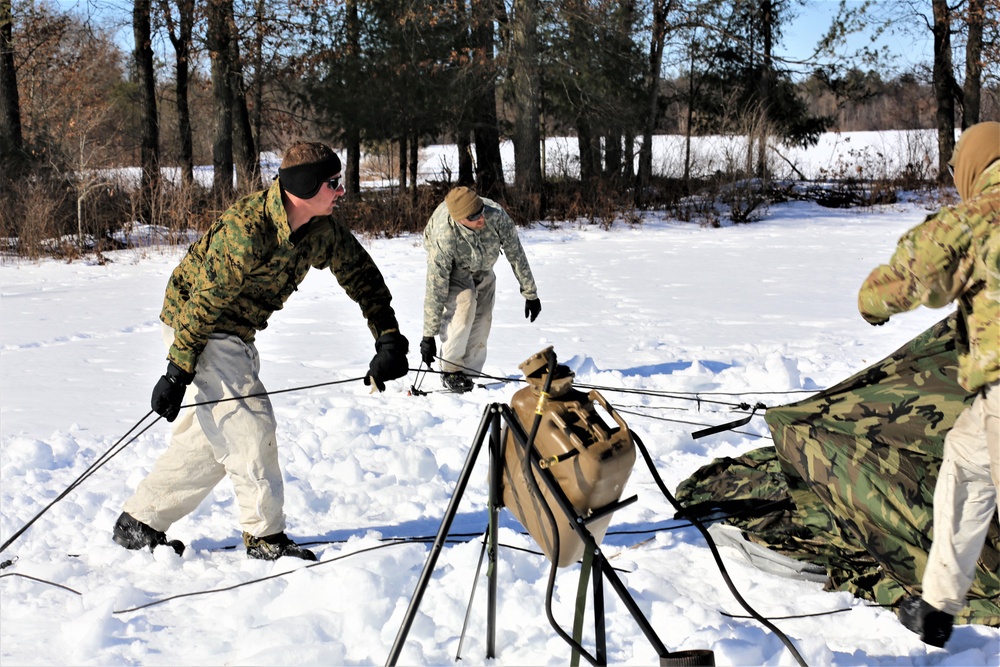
pixel 849 484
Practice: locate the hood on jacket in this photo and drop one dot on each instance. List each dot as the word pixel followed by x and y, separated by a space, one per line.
pixel 977 149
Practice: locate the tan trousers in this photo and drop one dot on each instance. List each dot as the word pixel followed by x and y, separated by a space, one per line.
pixel 467 320
pixel 966 495
pixel 234 438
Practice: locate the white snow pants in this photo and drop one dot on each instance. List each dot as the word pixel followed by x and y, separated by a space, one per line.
pixel 965 497
pixel 467 319
pixel 231 437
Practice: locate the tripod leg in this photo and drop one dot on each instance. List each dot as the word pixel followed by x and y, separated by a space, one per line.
pixel 496 480
pixel 601 646
pixel 463 480
pixel 472 596
pixel 581 604
pixel 630 604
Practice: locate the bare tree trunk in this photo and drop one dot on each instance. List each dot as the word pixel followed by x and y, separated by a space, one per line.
pixel 628 157
pixel 466 169
pixel 351 135
pixel 689 123
pixel 944 86
pixel 414 158
pixel 11 137
pixel 149 142
pixel 526 87
pixel 247 158
pixel 590 160
pixel 613 156
pixel 972 89
pixel 466 82
pixel 222 101
pixel 257 91
pixel 180 37
pixel 486 128
pixel 245 154
pixel 767 24
pixel 657 39
pixel 402 164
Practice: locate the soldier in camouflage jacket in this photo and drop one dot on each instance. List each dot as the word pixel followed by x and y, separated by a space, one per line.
pixel 464 238
pixel 954 255
pixel 220 295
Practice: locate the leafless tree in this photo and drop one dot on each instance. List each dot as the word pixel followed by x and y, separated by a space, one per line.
pixel 11 139
pixel 149 141
pixel 525 84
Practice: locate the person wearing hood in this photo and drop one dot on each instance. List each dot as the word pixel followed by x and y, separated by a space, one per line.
pixel 463 238
pixel 220 295
pixel 954 255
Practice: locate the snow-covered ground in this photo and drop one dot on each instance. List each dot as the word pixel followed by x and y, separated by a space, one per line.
pixel 662 308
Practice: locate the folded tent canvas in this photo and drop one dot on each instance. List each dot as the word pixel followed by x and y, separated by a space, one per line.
pixel 849 484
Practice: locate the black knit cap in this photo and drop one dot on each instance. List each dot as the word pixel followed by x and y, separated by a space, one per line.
pixel 304 180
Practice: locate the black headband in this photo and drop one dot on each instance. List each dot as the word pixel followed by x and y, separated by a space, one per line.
pixel 305 180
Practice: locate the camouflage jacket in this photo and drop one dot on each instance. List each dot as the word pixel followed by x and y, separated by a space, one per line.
pixel 249 262
pixel 452 247
pixel 952 255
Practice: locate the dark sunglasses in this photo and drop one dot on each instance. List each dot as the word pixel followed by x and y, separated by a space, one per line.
pixel 475 216
pixel 334 183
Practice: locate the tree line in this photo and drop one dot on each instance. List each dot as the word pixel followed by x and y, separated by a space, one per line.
pixel 219 81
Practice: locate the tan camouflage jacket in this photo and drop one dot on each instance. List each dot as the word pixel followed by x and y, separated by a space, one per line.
pixel 248 263
pixel 453 247
pixel 952 255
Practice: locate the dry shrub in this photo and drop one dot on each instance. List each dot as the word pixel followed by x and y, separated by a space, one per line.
pixel 389 212
pixel 38 208
pixel 184 207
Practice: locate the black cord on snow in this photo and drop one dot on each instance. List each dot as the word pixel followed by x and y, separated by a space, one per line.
pixel 41 581
pixel 394 541
pixel 389 542
pixel 715 553
pixel 100 461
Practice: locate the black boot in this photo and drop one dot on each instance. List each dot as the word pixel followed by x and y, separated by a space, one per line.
pixel 457 382
pixel 273 547
pixel 933 626
pixel 134 534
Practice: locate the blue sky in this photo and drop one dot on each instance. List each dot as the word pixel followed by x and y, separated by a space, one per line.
pixel 814 18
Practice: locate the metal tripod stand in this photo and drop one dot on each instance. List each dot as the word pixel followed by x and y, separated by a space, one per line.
pixel 493 415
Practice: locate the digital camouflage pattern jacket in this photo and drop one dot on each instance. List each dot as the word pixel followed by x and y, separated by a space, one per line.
pixel 453 247
pixel 249 262
pixel 953 255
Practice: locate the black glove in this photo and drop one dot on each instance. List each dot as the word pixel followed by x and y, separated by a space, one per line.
pixel 428 350
pixel 875 321
pixel 168 394
pixel 389 361
pixel 531 308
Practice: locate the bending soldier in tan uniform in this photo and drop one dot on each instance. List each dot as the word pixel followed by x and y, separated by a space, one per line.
pixel 463 239
pixel 219 296
pixel 955 255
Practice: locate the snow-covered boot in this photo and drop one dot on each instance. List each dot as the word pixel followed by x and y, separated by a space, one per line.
pixel 134 534
pixel 933 626
pixel 273 547
pixel 458 382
